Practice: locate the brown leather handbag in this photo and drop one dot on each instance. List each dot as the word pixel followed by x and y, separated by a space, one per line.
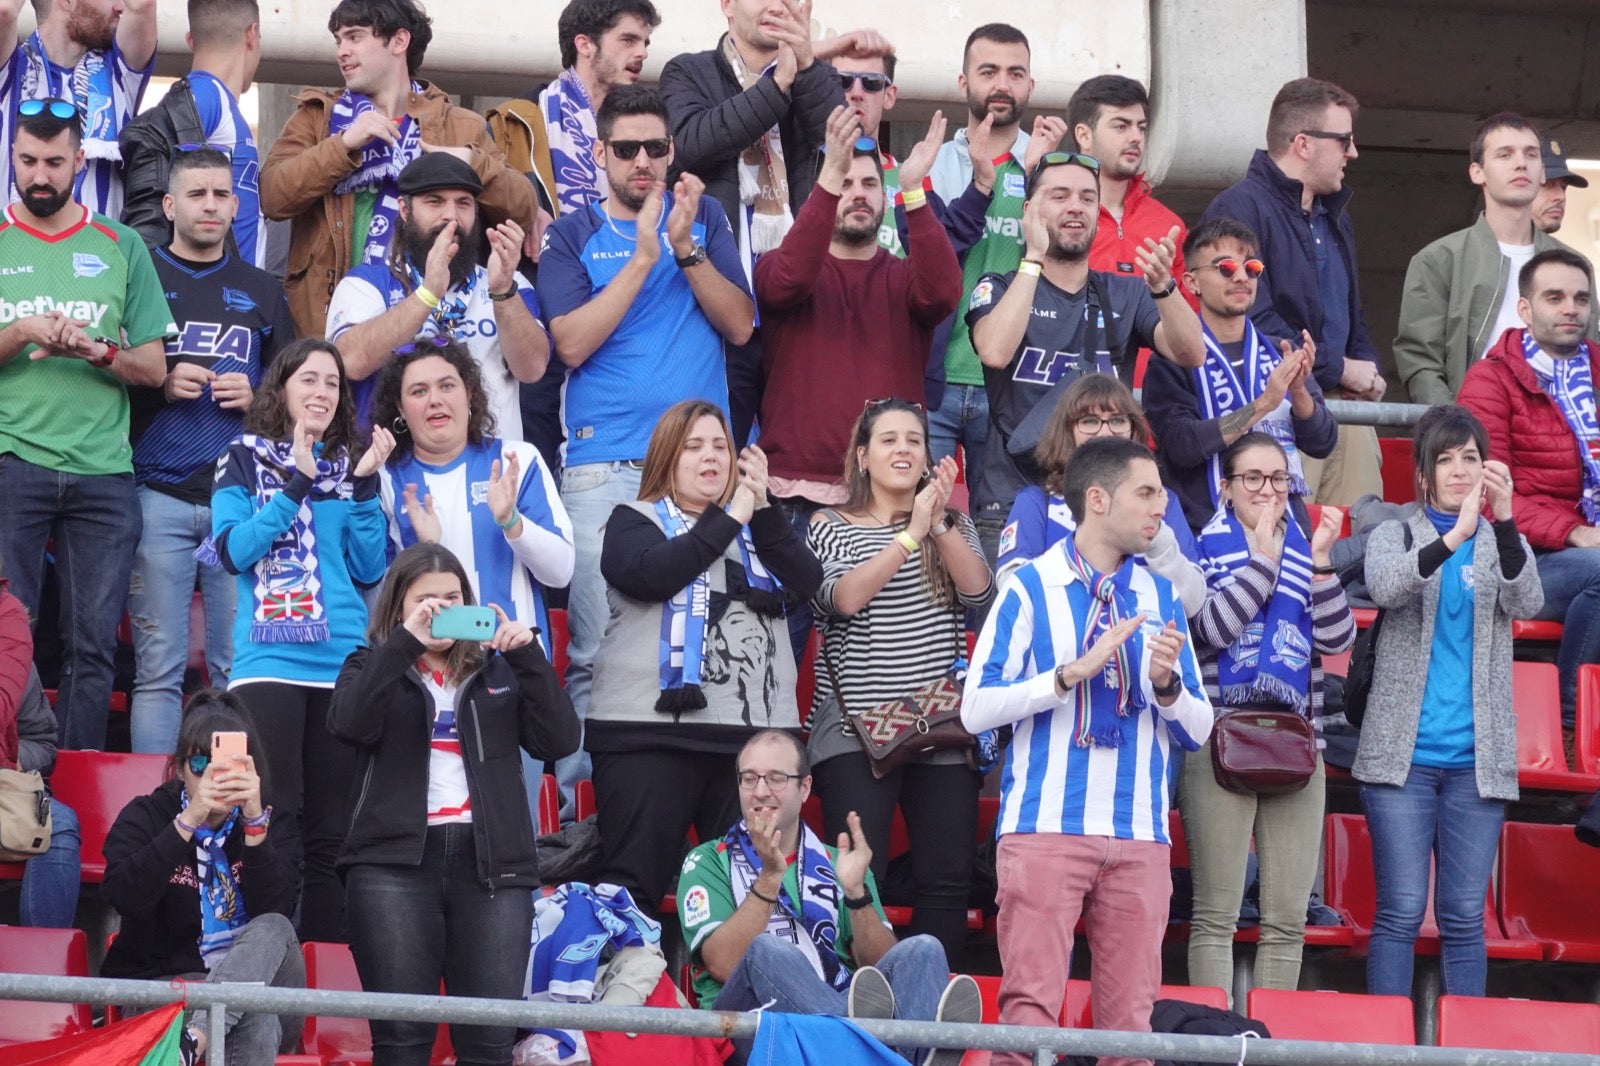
pixel 1265 751
pixel 902 730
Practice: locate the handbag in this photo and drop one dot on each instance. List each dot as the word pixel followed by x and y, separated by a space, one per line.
pixel 902 730
pixel 24 815
pixel 1264 751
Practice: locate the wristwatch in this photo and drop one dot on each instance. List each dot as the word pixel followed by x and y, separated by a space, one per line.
pixel 1173 686
pixel 696 256
pixel 112 348
pixel 944 526
pixel 859 902
pixel 1172 287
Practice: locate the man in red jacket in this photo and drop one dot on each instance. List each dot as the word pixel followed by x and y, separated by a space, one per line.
pixel 1534 393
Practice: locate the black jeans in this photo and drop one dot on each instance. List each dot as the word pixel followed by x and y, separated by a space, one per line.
pixel 646 802
pixel 411 926
pixel 311 772
pixel 940 805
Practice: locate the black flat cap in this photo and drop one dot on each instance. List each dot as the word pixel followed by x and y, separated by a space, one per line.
pixel 437 170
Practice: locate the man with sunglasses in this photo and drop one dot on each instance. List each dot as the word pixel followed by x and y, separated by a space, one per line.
pixel 84 317
pixel 1039 327
pixel 1250 380
pixel 1293 197
pixel 1460 293
pixel 95 54
pixel 775 919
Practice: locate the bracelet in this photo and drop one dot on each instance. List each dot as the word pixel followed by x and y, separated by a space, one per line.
pixel 261 819
pixel 190 829
pixel 765 899
pixel 857 903
pixel 1324 570
pixel 1030 268
pixel 502 297
pixel 908 542
pixel 511 523
pixel 254 830
pixel 913 197
pixel 429 300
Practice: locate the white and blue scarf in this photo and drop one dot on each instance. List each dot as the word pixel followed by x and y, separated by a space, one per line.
pixel 287 603
pixel 684 617
pixel 1220 392
pixel 819 895
pixel 1570 384
pixel 1270 662
pixel 378 169
pixel 92 89
pixel 1116 691
pixel 569 127
pixel 222 912
pixel 446 319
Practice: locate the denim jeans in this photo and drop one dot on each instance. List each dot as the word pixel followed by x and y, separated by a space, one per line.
pixel 962 418
pixel 50 881
pixel 1436 815
pixel 776 975
pixel 159 594
pixel 1571 580
pixel 410 926
pixel 264 952
pixel 589 491
pixel 95 522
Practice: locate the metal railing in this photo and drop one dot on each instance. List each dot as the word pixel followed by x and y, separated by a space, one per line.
pixel 1375 413
pixel 1043 1044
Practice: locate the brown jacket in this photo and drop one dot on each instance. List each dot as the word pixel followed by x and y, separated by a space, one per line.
pixel 305 163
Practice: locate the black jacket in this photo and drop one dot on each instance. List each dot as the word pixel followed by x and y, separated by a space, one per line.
pixel 380 705
pixel 150 880
pixel 147 144
pixel 713 120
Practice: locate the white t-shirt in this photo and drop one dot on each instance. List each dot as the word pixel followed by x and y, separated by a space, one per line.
pixel 1518 254
pixel 448 800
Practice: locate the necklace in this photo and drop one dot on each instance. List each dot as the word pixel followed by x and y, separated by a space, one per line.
pixel 634 237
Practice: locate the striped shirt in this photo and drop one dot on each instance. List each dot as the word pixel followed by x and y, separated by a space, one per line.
pixel 1049 784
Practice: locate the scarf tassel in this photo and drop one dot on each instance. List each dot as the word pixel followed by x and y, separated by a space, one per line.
pixel 680 701
pixel 206 554
pixel 1264 688
pixel 766 604
pixel 289 632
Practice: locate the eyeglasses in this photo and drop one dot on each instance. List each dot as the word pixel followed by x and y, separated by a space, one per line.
pixel 872 83
pixel 62 109
pixel 198 762
pixel 776 780
pixel 881 401
pixel 1229 268
pixel 655 148
pixel 1090 424
pixel 1346 140
pixel 1255 479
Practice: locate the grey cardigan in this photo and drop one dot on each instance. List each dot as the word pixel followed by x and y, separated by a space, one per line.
pixel 1389 733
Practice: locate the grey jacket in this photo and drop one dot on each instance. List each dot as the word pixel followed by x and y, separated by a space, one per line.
pixel 36 729
pixel 1389 733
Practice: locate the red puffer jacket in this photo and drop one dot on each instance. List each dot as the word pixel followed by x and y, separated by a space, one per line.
pixel 1528 433
pixel 16 655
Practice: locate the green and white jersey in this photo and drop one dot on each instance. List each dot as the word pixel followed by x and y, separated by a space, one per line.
pixel 998 251
pixel 60 412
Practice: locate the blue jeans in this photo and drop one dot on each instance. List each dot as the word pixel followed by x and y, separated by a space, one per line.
pixel 776 975
pixel 50 881
pixel 159 594
pixel 410 926
pixel 589 491
pixel 962 418
pixel 1571 580
pixel 1436 815
pixel 95 522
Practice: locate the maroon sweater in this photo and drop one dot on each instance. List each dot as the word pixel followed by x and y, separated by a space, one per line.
pixel 839 332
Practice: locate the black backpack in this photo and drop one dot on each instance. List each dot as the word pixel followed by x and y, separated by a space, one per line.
pixel 1363 658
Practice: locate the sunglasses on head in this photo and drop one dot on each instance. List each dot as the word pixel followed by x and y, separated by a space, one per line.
pixel 1230 267
pixel 1059 159
pixel 872 83
pixel 655 148
pixel 62 109
pixel 871 405
pixel 423 344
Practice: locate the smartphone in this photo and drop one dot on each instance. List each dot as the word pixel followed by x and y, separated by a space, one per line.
pixel 464 623
pixel 229 746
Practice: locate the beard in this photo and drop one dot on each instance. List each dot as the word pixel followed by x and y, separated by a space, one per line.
pixel 1007 111
pixel 1070 251
pixel 92 29
pixel 43 201
pixel 856 232
pixel 418 243
pixel 624 192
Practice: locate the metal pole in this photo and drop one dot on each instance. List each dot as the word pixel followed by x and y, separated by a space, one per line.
pixel 216 1047
pixel 1374 413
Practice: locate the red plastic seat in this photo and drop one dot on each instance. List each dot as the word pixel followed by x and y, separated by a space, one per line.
pixel 1544 872
pixel 51 953
pixel 583 799
pixel 1346 1016
pixel 1536 629
pixel 805 678
pixel 1315 510
pixel 1518 1025
pixel 1077 1011
pixel 1541 756
pixel 97 785
pixel 1587 750
pixel 1399 469
pixel 558 643
pixel 549 805
pixel 1363 616
pixel 347 1040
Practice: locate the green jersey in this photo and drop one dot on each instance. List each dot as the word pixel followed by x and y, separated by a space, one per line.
pixel 706 900
pixel 889 230
pixel 60 412
pixel 998 251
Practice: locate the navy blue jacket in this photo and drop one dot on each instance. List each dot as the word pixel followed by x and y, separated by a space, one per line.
pixel 1288 298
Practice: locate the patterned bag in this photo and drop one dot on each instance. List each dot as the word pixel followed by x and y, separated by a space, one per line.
pixel 898 731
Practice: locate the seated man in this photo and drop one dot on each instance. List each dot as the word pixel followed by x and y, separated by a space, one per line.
pixel 830 950
pixel 1534 393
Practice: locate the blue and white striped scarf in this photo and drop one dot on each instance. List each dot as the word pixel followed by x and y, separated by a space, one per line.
pixel 1569 383
pixel 378 169
pixel 288 607
pixel 222 912
pixel 1270 662
pixel 1220 391
pixel 1115 691
pixel 819 897
pixel 570 130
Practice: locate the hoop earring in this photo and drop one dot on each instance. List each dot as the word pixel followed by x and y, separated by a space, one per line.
pixel 400 427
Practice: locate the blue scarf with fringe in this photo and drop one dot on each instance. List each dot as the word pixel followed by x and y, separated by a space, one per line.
pixel 817 882
pixel 1116 691
pixel 222 912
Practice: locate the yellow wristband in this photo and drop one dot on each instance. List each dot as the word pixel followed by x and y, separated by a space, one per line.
pixel 913 197
pixel 1030 267
pixel 429 300
pixel 907 541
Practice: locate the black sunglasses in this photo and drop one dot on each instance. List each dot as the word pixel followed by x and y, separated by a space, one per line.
pixel 871 405
pixel 62 109
pixel 655 148
pixel 1345 139
pixel 422 344
pixel 1061 159
pixel 198 762
pixel 872 83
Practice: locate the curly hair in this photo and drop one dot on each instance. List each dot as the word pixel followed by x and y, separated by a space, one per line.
pixel 386 400
pixel 269 412
pixel 1090 393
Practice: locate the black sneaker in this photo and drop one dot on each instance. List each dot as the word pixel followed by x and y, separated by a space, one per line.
pixel 870 995
pixel 961 1001
pixel 188 1048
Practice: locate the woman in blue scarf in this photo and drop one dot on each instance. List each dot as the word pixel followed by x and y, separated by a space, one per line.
pixel 1273 607
pixel 696 659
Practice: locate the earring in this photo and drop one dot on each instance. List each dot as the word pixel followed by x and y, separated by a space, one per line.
pixel 400 426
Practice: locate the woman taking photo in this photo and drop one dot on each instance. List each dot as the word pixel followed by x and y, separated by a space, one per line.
pixel 1093 406
pixel 696 656
pixel 899 572
pixel 202 887
pixel 1437 759
pixel 441 846
pixel 295 514
pixel 1273 608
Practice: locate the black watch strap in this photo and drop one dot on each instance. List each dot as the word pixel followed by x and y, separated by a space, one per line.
pixel 696 256
pixel 1171 688
pixel 1172 287
pixel 859 902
